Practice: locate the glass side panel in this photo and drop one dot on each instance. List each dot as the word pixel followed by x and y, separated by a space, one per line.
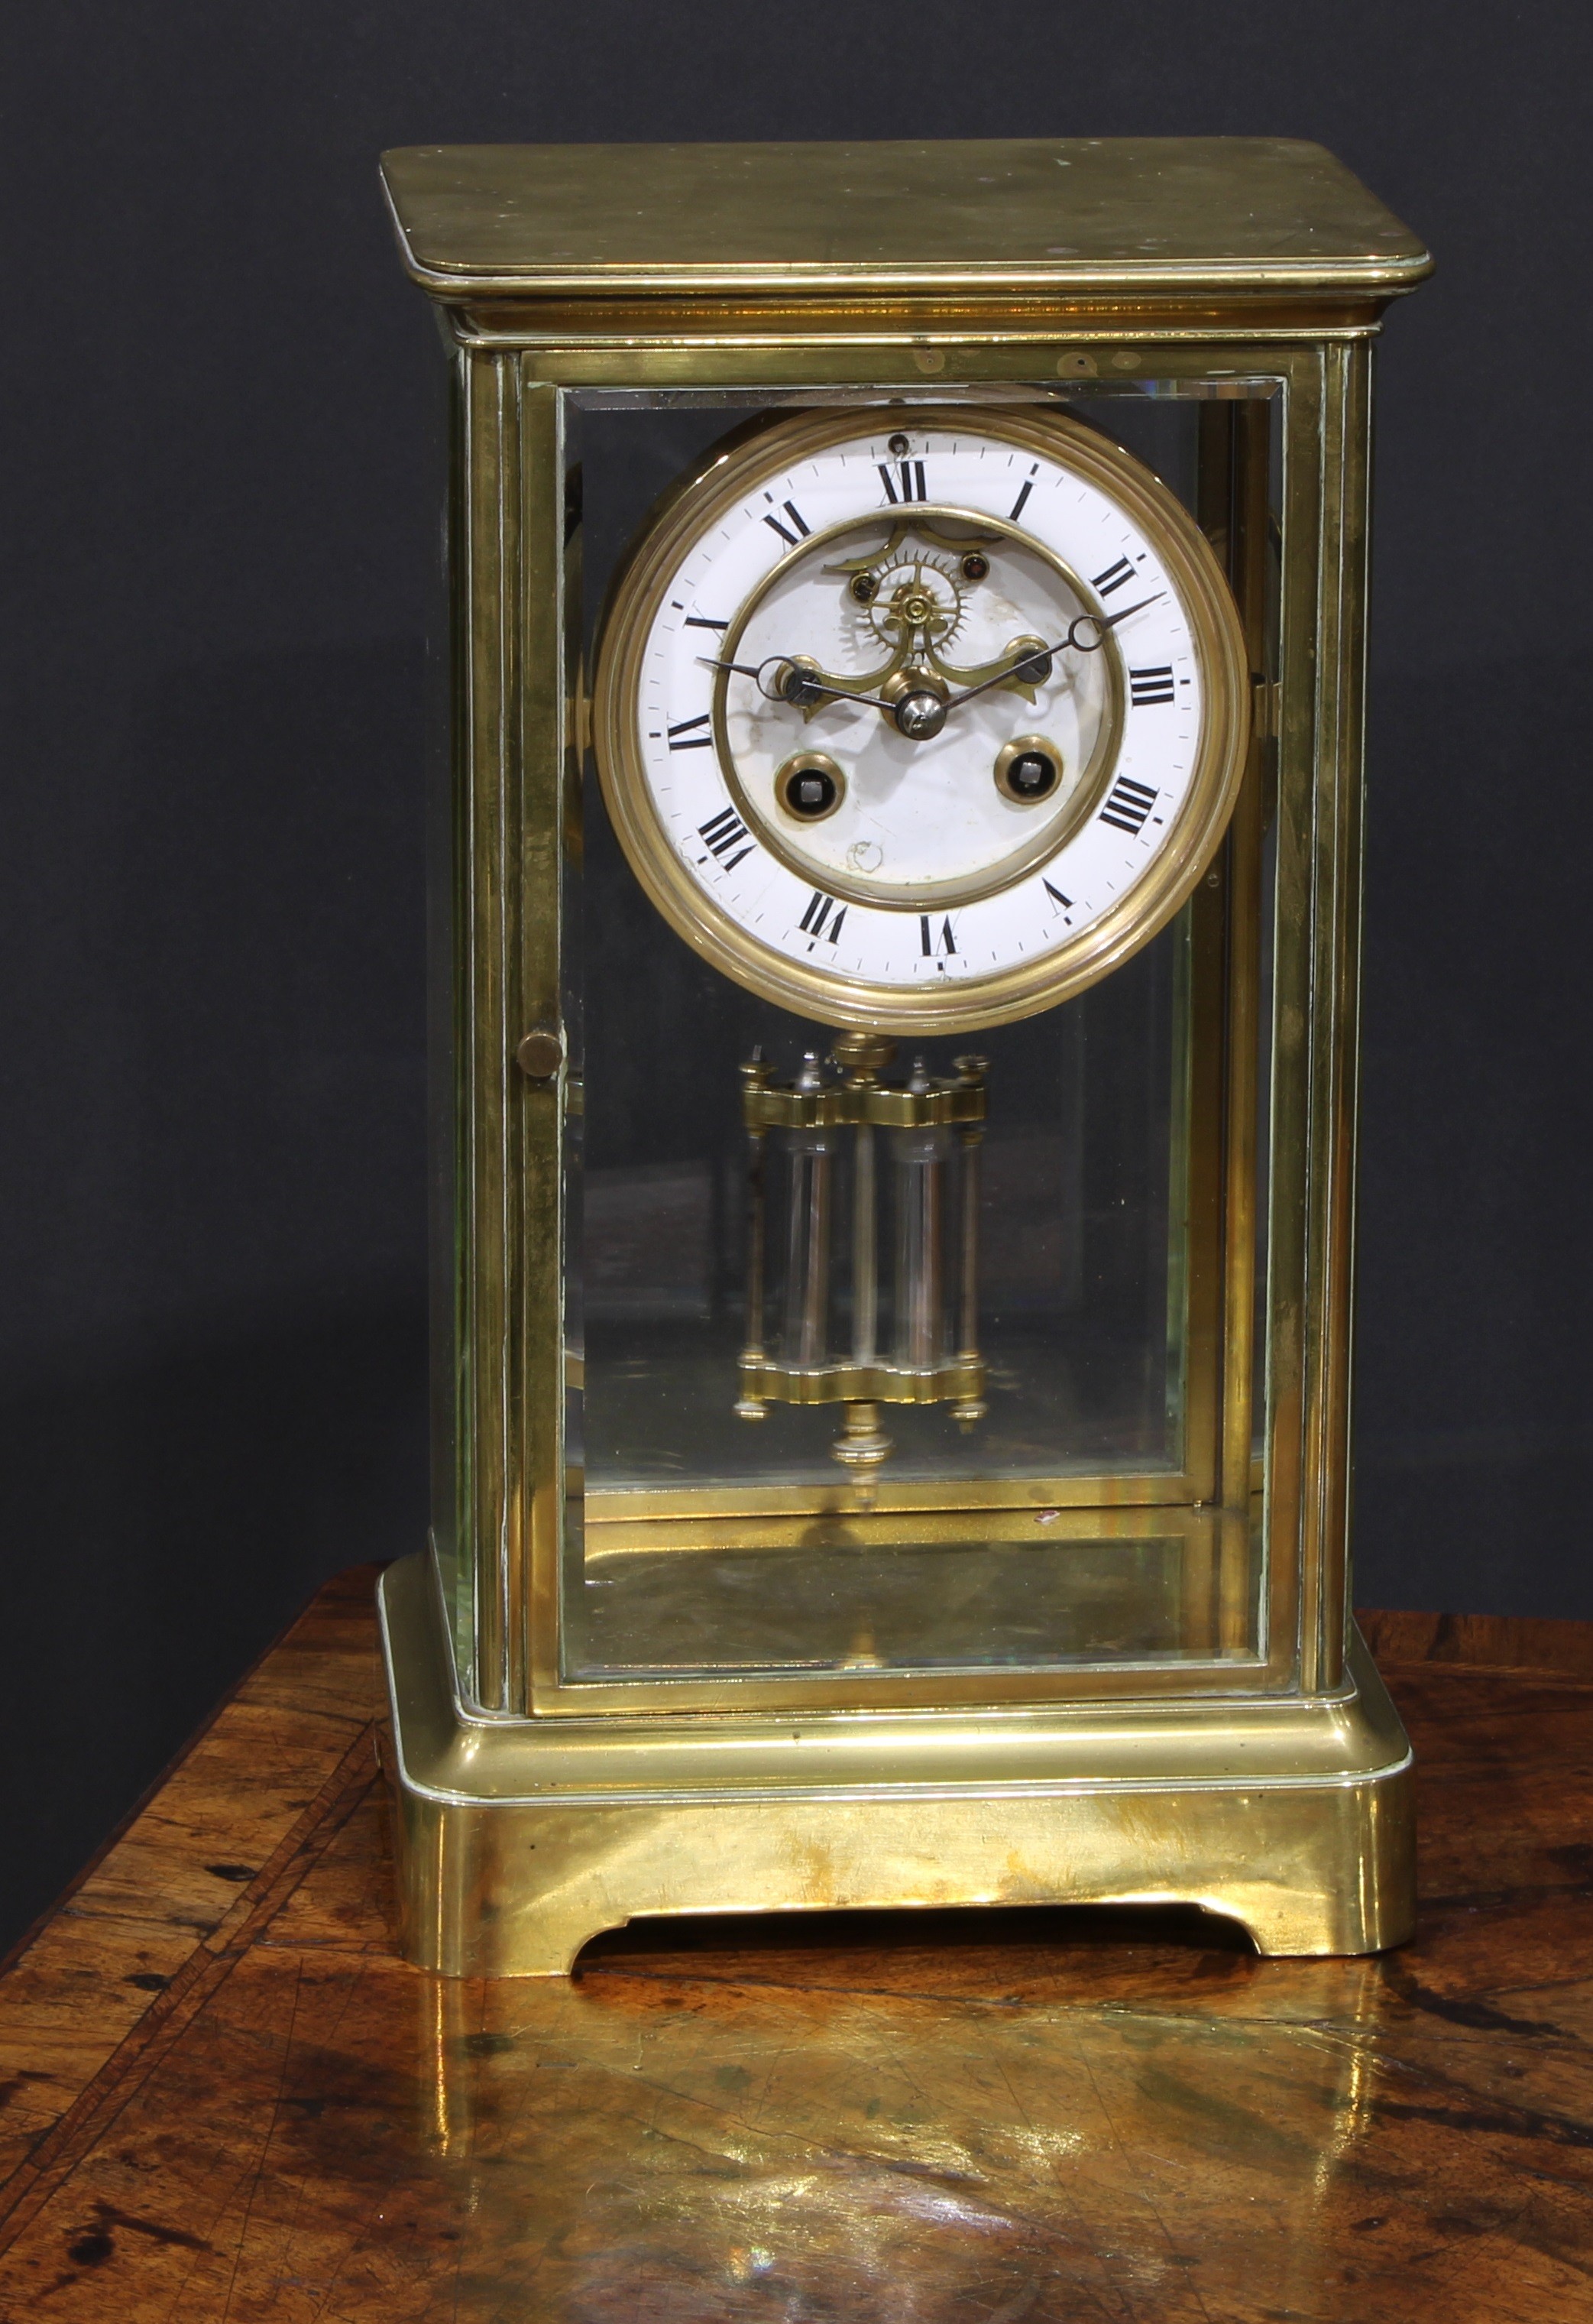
pixel 1060 1210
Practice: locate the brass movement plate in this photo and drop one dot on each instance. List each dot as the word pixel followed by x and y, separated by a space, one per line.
pixel 1144 215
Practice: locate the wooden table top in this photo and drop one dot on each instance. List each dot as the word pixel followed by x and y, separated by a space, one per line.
pixel 227 2097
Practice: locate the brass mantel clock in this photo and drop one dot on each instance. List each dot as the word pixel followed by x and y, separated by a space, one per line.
pixel 896 915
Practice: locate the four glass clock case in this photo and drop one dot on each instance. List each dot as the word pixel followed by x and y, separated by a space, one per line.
pixel 891 1448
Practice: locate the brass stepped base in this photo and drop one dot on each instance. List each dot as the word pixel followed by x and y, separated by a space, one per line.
pixel 519 1841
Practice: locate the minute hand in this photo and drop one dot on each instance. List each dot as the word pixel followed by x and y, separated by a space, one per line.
pixel 1100 623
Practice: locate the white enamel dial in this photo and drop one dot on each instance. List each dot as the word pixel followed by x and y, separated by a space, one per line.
pixel 915 708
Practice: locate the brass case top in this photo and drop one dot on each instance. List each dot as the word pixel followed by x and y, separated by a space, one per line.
pixel 1120 217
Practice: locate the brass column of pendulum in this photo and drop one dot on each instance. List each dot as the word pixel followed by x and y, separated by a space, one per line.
pixel 922 1118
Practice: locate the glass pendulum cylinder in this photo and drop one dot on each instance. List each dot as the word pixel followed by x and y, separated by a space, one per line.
pixel 825 1118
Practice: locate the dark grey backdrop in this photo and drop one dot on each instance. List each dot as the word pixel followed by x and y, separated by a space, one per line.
pixel 219 522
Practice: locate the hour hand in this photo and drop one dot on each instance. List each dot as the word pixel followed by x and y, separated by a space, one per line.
pixel 795 679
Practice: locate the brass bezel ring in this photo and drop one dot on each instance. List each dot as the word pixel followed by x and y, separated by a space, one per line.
pixel 696 502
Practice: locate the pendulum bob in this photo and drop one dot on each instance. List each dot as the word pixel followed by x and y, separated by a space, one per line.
pixel 831 1141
